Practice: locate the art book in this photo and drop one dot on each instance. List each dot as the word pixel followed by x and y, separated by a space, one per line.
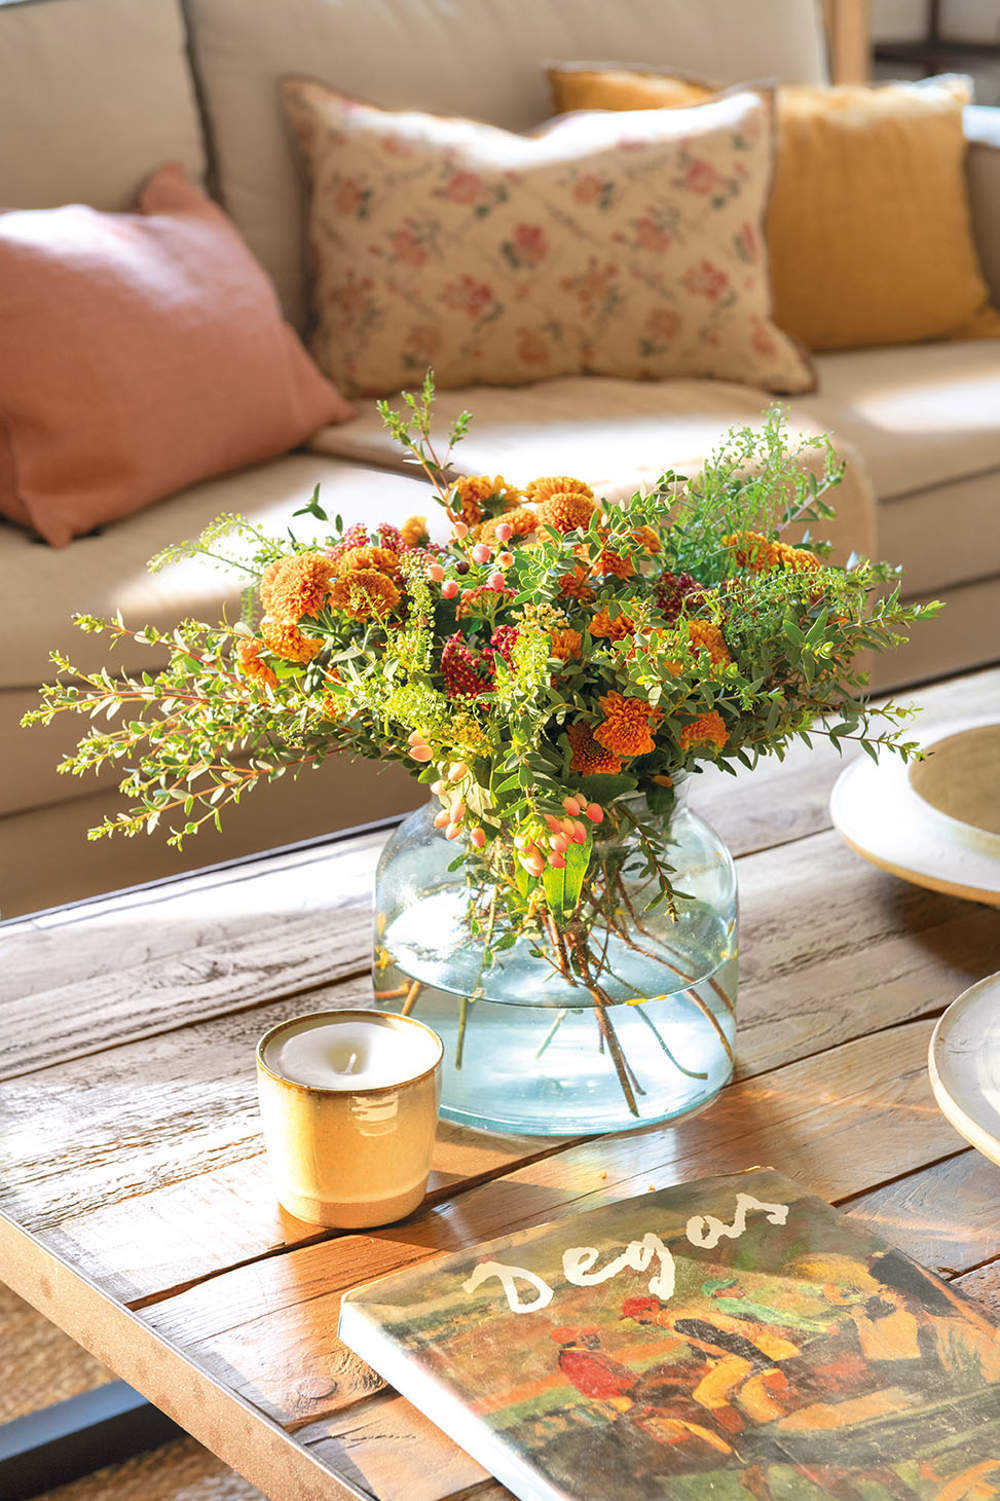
pixel 730 1338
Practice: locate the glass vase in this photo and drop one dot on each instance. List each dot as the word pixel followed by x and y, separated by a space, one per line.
pixel 558 1037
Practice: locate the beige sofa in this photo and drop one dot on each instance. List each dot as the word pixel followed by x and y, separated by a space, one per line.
pixel 95 93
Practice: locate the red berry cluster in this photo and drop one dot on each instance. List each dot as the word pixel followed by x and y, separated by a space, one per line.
pixel 468 673
pixel 675 592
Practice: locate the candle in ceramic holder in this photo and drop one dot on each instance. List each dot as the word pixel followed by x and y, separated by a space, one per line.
pixel 349 1104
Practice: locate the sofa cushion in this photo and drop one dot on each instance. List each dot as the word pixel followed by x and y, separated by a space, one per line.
pixel 94 94
pixel 487 66
pixel 144 352
pixel 43 588
pixel 616 245
pixel 920 416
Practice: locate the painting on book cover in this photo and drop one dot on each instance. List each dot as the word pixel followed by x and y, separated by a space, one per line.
pixel 731 1338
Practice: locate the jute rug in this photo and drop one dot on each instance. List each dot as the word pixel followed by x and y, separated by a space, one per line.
pixel 42 1365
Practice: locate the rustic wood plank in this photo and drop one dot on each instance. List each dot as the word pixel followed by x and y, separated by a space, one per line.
pixel 390 1449
pixel 215 912
pixel 269 1458
pixel 944 1216
pixel 832 948
pixel 983 1284
pixel 191 951
pixel 841 1123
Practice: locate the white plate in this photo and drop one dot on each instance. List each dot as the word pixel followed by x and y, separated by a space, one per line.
pixel 964 1063
pixel 878 813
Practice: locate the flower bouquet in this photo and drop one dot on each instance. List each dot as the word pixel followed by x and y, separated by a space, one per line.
pixel 554 669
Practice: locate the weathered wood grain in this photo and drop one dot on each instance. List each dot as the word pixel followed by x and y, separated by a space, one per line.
pixel 946 1216
pixel 185 952
pixel 983 1284
pixel 841 1123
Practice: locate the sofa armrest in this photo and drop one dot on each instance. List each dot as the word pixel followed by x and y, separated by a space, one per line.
pixel 982 131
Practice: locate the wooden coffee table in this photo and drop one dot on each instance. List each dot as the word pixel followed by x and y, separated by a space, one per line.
pixel 137 1211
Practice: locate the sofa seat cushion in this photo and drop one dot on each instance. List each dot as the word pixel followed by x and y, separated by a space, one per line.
pixel 43 587
pixel 920 415
pixel 618 435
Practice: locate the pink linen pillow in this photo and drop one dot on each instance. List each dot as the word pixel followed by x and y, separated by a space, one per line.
pixel 140 353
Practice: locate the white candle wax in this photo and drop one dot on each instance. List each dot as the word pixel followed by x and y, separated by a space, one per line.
pixel 352 1053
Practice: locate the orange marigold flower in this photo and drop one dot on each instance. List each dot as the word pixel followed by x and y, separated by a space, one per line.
pixel 296 586
pixel 615 630
pixel 708 729
pixel 468 497
pixel 704 635
pixel 613 564
pixel 248 650
pixel 566 643
pixel 521 520
pixel 556 484
pixel 288 642
pixel 758 553
pixel 365 593
pixel 627 725
pixel 574 586
pixel 413 531
pixel 379 558
pixel 566 511
pixel 589 757
pixel 646 538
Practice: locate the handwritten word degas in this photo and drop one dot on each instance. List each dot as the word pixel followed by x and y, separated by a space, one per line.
pixel 579 1263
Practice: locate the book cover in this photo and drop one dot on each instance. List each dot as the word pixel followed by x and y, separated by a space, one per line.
pixel 728 1338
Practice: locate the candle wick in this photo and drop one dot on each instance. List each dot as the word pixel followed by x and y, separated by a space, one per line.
pixel 351 1069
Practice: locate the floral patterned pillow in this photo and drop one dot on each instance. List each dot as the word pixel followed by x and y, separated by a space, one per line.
pixel 607 244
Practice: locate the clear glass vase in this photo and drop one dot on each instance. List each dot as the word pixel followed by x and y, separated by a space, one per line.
pixel 532 1045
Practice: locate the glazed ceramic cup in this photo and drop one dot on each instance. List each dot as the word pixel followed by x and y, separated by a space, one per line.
pixel 349 1104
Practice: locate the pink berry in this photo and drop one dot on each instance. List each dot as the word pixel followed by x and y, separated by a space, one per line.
pixel 461 530
pixel 594 812
pixel 504 532
pixel 520 840
pixel 533 864
pixel 415 737
pixel 478 837
pixel 443 819
pixel 559 844
pixel 421 753
pixel 571 805
pixel 457 771
pixel 505 559
pixel 579 834
pixel 457 811
pixel 453 830
pixel 567 826
pixel 557 862
pixel 435 572
pixel 552 822
pixel 481 553
pixel 496 581
pixel 449 588
pixel 437 787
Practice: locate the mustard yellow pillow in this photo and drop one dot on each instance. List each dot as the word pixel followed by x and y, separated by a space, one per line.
pixel 868 225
